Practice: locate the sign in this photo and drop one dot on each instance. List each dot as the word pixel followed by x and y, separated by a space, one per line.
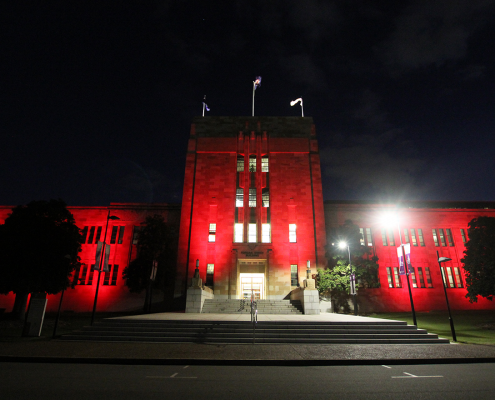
pixel 252 253
pixel 407 250
pixel 402 270
pixel 353 284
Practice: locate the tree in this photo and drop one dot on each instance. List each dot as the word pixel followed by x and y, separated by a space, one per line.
pixel 479 259
pixel 334 280
pixel 155 242
pixel 39 243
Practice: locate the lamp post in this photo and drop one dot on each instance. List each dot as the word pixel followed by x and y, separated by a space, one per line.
pixel 406 267
pixel 343 245
pixel 102 256
pixel 440 261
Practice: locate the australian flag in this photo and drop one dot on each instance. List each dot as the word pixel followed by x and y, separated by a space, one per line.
pixel 257 82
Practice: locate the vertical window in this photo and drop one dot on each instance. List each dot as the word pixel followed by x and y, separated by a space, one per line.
pixel 210 269
pixel 413 238
pixel 428 277
pixel 84 233
pixel 294 279
pixel 449 237
pixel 442 237
pixel 106 279
pixel 450 277
pixel 239 197
pixel 413 276
pixel 121 234
pixel 115 273
pixel 266 233
pixel 265 197
pixel 421 277
pixel 264 164
pixel 292 233
pixel 361 236
pixel 240 163
pixel 91 274
pixel 391 237
pixel 114 234
pixel 98 234
pixel 406 236
pixel 238 233
pixel 91 235
pixel 84 272
pixel 252 233
pixel 420 236
pixel 212 232
pixel 397 277
pixel 458 278
pixel 384 237
pixel 252 197
pixel 252 163
pixel 463 235
pixel 135 235
pixel 390 277
pixel 369 237
pixel 435 237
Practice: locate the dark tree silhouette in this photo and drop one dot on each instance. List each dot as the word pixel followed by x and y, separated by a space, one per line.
pixel 39 243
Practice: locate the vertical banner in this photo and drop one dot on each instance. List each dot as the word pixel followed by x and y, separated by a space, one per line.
pixel 402 270
pixel 407 250
pixel 353 284
pixel 98 255
pixel 107 258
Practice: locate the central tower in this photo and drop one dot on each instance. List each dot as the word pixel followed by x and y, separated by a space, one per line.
pixel 252 207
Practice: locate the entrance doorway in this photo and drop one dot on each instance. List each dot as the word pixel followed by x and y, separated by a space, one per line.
pixel 252 284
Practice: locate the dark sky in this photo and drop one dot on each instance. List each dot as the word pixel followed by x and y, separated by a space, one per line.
pixel 97 98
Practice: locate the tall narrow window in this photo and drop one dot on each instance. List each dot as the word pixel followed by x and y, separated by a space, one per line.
pixel 449 237
pixel 435 237
pixel 264 164
pixel 428 277
pixel 212 232
pixel 450 277
pixel 252 163
pixel 252 197
pixel 369 237
pixel 390 277
pixel 421 277
pixel 252 233
pixel 91 274
pixel 413 238
pixel 239 197
pixel 238 233
pixel 361 236
pixel 384 237
pixel 442 237
pixel 210 269
pixel 114 234
pixel 265 197
pixel 292 233
pixel 84 233
pixel 420 236
pixel 414 281
pixel 463 235
pixel 106 279
pixel 135 235
pixel 397 278
pixel 115 272
pixel 240 163
pixel 266 233
pixel 391 237
pixel 91 235
pixel 406 236
pixel 294 279
pixel 84 272
pixel 458 278
pixel 98 234
pixel 121 234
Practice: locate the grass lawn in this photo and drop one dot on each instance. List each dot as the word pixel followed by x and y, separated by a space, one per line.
pixel 474 327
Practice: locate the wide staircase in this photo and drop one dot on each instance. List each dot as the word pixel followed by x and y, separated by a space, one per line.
pixel 240 332
pixel 236 306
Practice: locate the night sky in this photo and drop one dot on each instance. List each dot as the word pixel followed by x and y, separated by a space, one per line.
pixel 97 98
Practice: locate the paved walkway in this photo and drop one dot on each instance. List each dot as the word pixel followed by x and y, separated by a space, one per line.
pixel 249 354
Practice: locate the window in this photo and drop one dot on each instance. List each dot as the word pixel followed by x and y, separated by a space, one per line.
pixel 238 233
pixel 106 279
pixel 292 233
pixel 264 164
pixel 421 277
pixel 114 234
pixel 458 278
pixel 413 277
pixel 393 277
pixel 252 163
pixel 453 277
pixel 210 268
pixel 212 232
pixel 135 235
pixel 84 272
pixel 91 274
pixel 428 277
pixel 406 236
pixel 115 273
pixel 91 235
pixel 84 233
pixel 252 197
pixel 384 237
pixel 361 236
pixel 252 233
pixel 449 237
pixel 121 235
pixel 98 234
pixel 397 278
pixel 240 163
pixel 391 237
pixel 265 197
pixel 413 238
pixel 420 235
pixel 266 233
pixel 390 278
pixel 463 234
pixel 435 237
pixel 239 197
pixel 442 237
pixel 369 238
pixel 294 279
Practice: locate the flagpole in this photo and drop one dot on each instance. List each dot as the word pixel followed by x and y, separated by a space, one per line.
pixel 203 108
pixel 254 88
pixel 302 109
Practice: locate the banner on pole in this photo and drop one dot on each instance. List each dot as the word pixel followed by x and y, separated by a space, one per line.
pixel 98 255
pixel 407 250
pixel 402 270
pixel 353 284
pixel 107 258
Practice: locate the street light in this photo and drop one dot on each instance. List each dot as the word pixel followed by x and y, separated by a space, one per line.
pixel 102 256
pixel 440 261
pixel 343 245
pixel 391 219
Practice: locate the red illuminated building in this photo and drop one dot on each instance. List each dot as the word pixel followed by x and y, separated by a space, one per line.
pixel 252 216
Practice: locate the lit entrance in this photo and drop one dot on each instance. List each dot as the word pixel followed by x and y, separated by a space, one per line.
pixel 252 284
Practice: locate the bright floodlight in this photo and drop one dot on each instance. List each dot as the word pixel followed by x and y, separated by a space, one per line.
pixel 342 245
pixel 389 218
pixel 443 259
